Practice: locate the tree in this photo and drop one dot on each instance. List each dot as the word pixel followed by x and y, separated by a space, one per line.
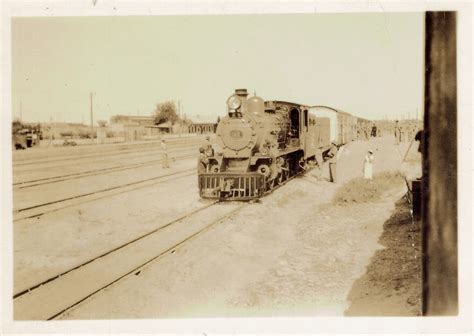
pixel 165 112
pixel 187 121
pixel 16 126
pixel 102 123
pixel 218 119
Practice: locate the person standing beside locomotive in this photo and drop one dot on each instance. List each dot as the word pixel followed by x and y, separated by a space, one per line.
pixel 332 155
pixel 203 161
pixel 164 155
pixel 208 150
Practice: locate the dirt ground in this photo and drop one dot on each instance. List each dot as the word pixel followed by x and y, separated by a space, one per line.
pixel 60 240
pixel 392 284
pixel 295 253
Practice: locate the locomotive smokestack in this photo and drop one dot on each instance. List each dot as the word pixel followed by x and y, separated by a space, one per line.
pixel 241 93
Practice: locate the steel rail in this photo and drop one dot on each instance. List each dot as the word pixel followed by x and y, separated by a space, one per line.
pixel 52 278
pixel 156 180
pixel 218 220
pixel 67 177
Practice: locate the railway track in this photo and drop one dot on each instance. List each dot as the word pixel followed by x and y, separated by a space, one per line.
pixel 66 177
pixel 44 208
pixel 171 145
pixel 47 207
pixel 58 294
pixel 84 160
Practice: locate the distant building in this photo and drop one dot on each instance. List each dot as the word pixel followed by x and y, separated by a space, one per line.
pixel 165 127
pixel 144 127
pixel 203 124
pixel 132 127
pixel 132 120
pixel 64 130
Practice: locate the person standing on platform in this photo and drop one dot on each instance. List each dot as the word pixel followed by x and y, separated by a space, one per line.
pixel 368 165
pixel 164 155
pixel 374 130
pixel 397 133
pixel 419 137
pixel 332 155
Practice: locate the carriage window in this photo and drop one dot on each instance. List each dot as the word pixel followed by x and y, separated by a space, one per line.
pixel 306 118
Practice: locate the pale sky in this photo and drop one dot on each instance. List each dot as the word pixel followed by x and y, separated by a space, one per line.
pixel 370 65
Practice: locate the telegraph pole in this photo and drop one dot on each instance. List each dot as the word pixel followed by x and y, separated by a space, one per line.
pixel 92 118
pixel 50 129
pixel 440 230
pixel 179 117
pixel 182 116
pixel 21 111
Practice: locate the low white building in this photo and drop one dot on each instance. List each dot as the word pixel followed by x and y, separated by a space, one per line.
pixel 131 127
pixel 203 124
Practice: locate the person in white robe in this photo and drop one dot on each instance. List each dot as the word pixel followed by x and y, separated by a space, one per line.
pixel 368 165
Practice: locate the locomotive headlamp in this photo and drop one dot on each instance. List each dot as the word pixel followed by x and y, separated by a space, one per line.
pixel 233 102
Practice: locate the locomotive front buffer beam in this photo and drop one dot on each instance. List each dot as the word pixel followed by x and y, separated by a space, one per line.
pixel 232 186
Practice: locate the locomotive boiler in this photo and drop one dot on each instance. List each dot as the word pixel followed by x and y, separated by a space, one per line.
pixel 262 145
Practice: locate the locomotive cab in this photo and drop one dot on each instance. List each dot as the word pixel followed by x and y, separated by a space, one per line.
pixel 294 131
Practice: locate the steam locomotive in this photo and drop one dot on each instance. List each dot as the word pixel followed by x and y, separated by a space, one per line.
pixel 265 143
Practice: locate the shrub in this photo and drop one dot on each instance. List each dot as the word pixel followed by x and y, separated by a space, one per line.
pixel 360 190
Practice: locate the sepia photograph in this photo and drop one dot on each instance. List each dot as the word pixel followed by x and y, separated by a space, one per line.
pixel 172 164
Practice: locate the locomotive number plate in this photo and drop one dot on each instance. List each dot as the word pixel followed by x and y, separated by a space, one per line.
pixel 236 134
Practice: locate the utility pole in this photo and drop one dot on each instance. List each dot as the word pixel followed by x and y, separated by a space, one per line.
pixel 440 272
pixel 183 116
pixel 92 118
pixel 21 111
pixel 179 118
pixel 50 129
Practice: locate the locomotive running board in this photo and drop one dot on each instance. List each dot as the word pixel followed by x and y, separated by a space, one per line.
pixel 231 186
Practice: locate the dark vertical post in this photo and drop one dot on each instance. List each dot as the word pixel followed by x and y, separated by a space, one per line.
pixel 92 119
pixel 50 130
pixel 440 271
